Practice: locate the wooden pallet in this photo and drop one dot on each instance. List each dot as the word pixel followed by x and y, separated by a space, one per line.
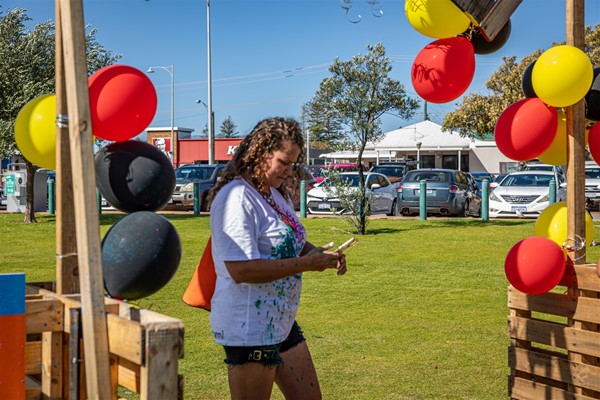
pixel 144 348
pixel 555 340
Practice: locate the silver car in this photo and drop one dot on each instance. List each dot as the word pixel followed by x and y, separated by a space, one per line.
pixel 323 198
pixel 525 194
pixel 592 185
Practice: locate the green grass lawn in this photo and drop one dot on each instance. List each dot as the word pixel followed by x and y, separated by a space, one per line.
pixel 421 313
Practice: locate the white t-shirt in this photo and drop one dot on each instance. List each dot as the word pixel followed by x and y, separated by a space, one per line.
pixel 245 227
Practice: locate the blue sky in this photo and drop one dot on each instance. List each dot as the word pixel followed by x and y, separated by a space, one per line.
pixel 269 56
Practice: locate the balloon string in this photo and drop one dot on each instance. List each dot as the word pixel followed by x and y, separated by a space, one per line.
pixel 578 244
pixel 62 121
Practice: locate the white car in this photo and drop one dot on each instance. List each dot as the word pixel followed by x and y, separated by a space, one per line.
pixel 592 184
pixel 525 194
pixel 382 195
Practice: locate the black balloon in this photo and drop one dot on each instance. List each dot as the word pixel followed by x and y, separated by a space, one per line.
pixel 134 176
pixel 592 98
pixel 526 83
pixel 482 46
pixel 140 255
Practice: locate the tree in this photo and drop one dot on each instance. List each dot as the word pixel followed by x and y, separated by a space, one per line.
pixel 27 71
pixel 354 98
pixel 477 114
pixel 228 129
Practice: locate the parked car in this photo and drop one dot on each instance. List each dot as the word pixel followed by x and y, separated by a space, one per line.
pixel 185 177
pixel 525 194
pixel 480 176
pixel 542 167
pixel 321 172
pixel 592 184
pixel 301 173
pixel 498 178
pixel 322 199
pixel 449 192
pixel 393 170
pixel 3 201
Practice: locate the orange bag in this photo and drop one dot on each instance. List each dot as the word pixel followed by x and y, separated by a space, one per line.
pixel 202 286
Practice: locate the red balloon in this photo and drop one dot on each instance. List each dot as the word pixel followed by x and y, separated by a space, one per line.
pixel 122 102
pixel 526 129
pixel 444 69
pixel 535 265
pixel 594 142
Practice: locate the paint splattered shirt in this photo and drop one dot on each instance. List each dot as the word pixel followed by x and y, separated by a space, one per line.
pixel 245 227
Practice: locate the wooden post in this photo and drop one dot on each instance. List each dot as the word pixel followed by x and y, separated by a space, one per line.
pixel 94 327
pixel 67 279
pixel 576 142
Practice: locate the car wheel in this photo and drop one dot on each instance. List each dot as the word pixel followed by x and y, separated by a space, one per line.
pixel 394 210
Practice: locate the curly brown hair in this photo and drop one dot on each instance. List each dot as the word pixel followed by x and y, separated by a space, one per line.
pixel 269 135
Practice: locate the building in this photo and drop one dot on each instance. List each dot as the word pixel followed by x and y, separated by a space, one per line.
pixel 433 148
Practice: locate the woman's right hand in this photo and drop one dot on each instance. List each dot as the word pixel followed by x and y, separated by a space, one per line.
pixel 320 259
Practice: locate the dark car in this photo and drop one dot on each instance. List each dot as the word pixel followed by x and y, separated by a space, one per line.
pixel 480 176
pixel 449 192
pixel 206 175
pixel 393 170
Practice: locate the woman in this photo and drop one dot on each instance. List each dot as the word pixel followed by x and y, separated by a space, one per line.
pixel 260 252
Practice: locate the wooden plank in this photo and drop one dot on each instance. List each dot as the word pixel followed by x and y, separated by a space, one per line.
pixel 550 303
pixel 496 18
pixel 33 357
pixel 556 368
pixel 477 9
pixel 44 316
pixel 52 368
pixel 523 389
pixel 33 388
pixel 67 274
pixel 587 278
pixel 159 373
pixel 125 338
pixel 129 375
pixel 556 335
pixel 588 310
pixel 95 336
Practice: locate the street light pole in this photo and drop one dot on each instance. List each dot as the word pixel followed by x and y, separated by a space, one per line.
pixel 171 70
pixel 418 154
pixel 211 128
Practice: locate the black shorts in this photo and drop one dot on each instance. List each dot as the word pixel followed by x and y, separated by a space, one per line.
pixel 266 355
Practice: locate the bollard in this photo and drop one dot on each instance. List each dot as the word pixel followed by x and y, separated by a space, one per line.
pixel 196 198
pixel 423 200
pixel 302 199
pixel 51 204
pixel 99 200
pixel 485 200
pixel 552 192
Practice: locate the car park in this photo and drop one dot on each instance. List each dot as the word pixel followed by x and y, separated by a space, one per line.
pixel 592 184
pixel 321 172
pixel 381 194
pixel 449 192
pixel 206 175
pixel 525 194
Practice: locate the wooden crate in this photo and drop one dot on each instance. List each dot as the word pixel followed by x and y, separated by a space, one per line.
pixel 144 347
pixel 555 339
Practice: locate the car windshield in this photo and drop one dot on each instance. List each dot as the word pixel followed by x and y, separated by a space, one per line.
pixel 199 173
pixel 429 176
pixel 351 180
pixel 322 172
pixel 592 173
pixel 390 171
pixel 480 177
pixel 527 180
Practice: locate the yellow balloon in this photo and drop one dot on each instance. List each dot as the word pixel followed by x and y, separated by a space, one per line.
pixel 552 223
pixel 562 76
pixel 556 154
pixel 436 18
pixel 35 131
